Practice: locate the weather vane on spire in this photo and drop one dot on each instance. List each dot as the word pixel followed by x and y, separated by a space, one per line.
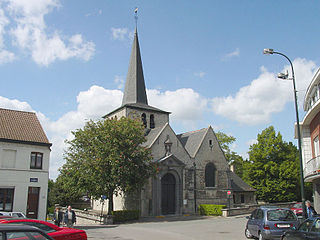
pixel 136 16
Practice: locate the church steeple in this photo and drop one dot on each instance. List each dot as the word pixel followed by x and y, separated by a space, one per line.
pixel 135 90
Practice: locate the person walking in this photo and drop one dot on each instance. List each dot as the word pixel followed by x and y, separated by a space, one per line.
pixel 70 217
pixel 57 217
pixel 310 212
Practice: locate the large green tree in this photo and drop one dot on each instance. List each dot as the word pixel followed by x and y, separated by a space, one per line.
pixel 273 168
pixel 106 157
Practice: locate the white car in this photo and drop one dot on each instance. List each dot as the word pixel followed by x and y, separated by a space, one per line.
pixel 13 214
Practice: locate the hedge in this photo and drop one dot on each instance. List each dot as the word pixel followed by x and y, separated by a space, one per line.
pixel 211 209
pixel 125 215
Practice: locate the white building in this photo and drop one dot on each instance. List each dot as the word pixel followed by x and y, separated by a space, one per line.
pixel 310 130
pixel 24 164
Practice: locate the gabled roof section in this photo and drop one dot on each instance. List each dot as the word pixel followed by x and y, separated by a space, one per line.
pixel 153 134
pixel 135 90
pixel 175 160
pixel 21 127
pixel 238 185
pixel 192 141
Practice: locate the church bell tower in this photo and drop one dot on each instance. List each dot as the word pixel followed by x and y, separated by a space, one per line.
pixel 135 101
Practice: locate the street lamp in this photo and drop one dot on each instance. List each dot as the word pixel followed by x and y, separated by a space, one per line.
pixel 284 76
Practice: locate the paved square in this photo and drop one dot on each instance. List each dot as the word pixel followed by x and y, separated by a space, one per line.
pixel 182 229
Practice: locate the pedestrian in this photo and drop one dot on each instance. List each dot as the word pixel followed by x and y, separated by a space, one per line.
pixel 310 212
pixel 57 217
pixel 70 217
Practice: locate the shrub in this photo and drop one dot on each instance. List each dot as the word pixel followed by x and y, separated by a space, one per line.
pixel 211 209
pixel 125 215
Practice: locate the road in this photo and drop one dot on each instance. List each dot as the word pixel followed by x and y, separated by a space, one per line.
pixel 171 229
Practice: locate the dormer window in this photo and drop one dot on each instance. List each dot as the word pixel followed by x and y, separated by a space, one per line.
pixel 152 121
pixel 144 119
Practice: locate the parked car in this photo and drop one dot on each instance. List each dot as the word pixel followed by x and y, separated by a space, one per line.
pixel 297 209
pixel 57 233
pixel 22 232
pixel 309 229
pixel 13 214
pixel 269 222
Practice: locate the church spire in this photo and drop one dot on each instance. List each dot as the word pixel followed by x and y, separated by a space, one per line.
pixel 135 90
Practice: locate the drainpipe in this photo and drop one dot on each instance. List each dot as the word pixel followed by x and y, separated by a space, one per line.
pixel 195 187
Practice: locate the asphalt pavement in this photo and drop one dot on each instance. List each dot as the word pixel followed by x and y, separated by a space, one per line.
pixel 172 228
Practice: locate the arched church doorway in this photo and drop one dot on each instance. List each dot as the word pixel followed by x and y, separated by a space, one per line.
pixel 168 194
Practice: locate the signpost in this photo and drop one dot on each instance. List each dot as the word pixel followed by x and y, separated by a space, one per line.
pixel 229 194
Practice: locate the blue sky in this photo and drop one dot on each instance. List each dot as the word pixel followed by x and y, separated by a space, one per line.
pixel 67 60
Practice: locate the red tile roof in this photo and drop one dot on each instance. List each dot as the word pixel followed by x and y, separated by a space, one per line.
pixel 21 126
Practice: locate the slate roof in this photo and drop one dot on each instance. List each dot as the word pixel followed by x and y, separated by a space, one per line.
pixel 192 140
pixel 238 185
pixel 135 90
pixel 21 127
pixel 152 135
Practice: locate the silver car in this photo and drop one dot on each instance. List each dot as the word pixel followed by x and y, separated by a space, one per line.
pixel 269 222
pixel 13 214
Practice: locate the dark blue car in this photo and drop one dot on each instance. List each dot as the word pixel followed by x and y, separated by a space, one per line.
pixel 269 222
pixel 309 229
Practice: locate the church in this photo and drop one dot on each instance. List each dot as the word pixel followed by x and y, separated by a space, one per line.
pixel 193 169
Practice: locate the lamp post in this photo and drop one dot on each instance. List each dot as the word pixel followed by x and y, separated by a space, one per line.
pixel 269 51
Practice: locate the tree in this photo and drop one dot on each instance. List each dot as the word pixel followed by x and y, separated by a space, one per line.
pixel 273 168
pixel 232 157
pixel 60 193
pixel 106 157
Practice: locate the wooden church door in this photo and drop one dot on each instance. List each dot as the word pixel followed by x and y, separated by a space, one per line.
pixel 168 194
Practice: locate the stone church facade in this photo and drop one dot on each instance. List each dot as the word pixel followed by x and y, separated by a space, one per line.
pixel 193 169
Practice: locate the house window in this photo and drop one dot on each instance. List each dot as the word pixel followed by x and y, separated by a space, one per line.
pixel 9 158
pixel 36 160
pixel 210 175
pixel 316 146
pixel 6 199
pixel 152 121
pixel 242 198
pixel 144 119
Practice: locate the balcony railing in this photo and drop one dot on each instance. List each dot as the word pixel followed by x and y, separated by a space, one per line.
pixel 312 167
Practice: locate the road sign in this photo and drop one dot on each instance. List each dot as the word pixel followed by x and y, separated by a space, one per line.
pixel 229 192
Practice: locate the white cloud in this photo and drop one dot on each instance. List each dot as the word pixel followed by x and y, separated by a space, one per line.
pixel 235 53
pixel 304 72
pixel 119 80
pixel 251 142
pixel 14 104
pixel 121 34
pixel 5 55
pixel 29 32
pixel 185 104
pixel 200 74
pixel 255 103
